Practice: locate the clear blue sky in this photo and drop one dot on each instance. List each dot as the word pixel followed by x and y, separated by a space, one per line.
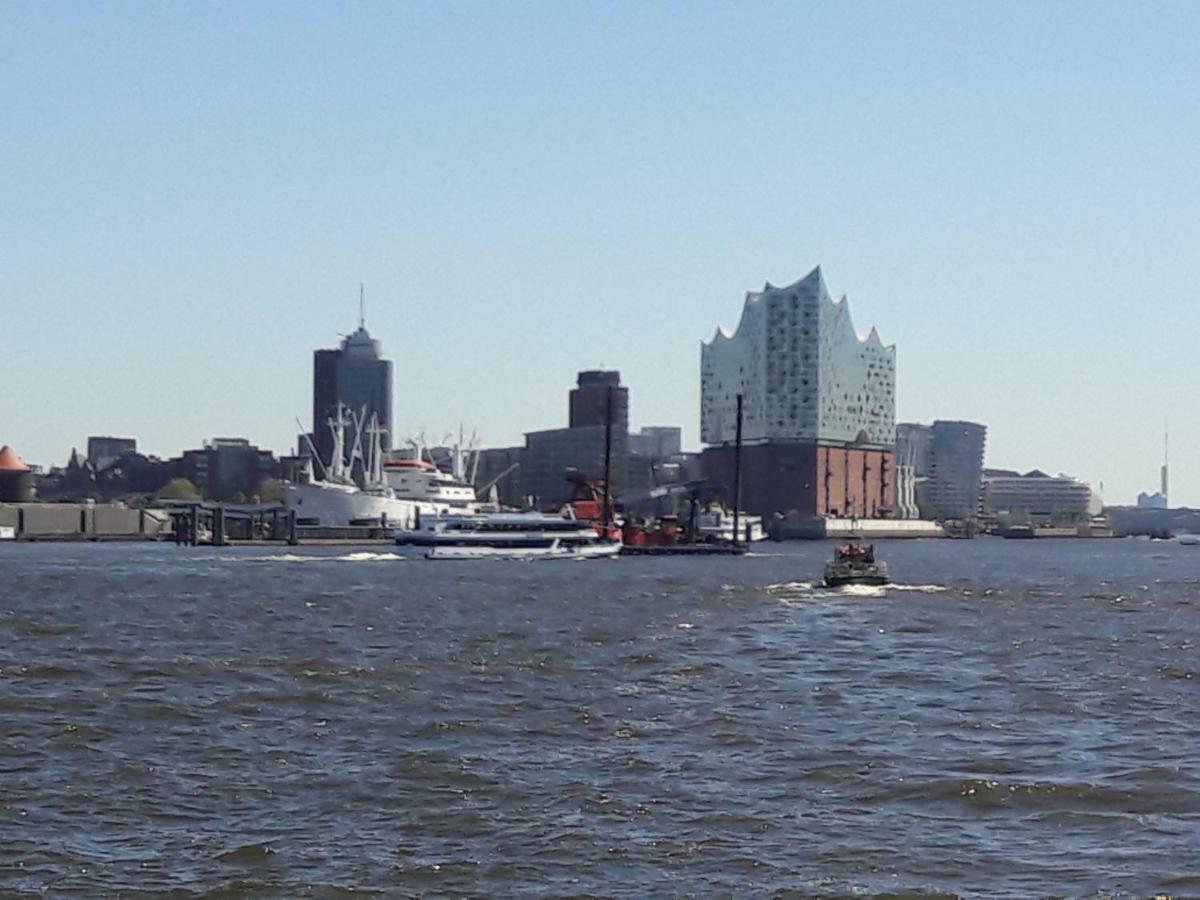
pixel 190 194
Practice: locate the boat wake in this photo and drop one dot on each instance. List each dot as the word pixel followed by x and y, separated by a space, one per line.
pixel 859 590
pixel 789 587
pixel 808 591
pixel 363 556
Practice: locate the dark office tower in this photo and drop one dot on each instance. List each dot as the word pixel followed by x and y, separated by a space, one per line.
pixel 956 470
pixel 356 376
pixel 589 401
pixel 325 398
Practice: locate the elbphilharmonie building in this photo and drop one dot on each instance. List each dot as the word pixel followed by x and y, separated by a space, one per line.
pixel 819 401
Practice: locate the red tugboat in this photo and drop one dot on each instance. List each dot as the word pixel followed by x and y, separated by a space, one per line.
pixel 588 502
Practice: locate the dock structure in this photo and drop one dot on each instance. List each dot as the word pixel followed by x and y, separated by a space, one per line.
pixel 199 523
pixel 221 524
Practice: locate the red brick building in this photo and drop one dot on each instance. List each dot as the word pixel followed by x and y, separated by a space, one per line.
pixel 809 478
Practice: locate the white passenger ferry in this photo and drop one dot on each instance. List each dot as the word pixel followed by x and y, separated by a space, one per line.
pixel 509 536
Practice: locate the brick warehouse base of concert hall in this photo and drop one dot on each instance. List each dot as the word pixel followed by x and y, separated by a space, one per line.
pixel 806 478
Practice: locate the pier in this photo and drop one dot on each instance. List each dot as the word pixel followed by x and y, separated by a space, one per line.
pixel 197 523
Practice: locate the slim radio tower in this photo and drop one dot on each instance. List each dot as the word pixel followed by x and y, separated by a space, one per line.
pixel 362 307
pixel 1166 463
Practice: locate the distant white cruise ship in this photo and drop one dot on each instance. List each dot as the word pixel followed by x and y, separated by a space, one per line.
pixel 435 492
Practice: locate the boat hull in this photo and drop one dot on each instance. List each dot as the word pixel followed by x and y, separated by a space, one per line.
pixel 843 580
pixel 599 550
pixel 327 504
pixel 841 574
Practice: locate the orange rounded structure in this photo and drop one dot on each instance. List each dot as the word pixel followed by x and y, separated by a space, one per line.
pixel 16 478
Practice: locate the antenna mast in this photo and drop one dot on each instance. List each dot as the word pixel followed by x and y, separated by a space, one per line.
pixel 362 307
pixel 1166 462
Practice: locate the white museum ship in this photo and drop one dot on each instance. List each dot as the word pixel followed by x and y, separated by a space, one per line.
pixel 334 498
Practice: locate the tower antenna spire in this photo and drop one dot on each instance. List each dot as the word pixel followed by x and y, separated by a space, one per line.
pixel 362 307
pixel 1166 463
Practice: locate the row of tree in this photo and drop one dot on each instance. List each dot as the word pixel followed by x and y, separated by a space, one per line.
pixel 271 491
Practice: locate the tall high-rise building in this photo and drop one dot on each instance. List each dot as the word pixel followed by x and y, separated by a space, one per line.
pixel 589 400
pixel 356 376
pixel 939 469
pixel 818 406
pixel 581 446
pixel 956 470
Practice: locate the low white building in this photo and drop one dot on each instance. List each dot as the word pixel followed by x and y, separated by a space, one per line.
pixel 1036 497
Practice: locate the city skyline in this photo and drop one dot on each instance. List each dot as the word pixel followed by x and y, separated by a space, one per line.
pixel 188 222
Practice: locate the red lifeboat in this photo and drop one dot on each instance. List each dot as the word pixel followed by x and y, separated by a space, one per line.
pixel 409 465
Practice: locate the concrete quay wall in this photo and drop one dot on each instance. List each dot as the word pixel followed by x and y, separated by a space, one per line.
pixel 816 529
pixel 82 522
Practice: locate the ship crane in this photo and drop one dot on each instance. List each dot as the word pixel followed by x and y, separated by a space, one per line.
pixel 663 490
pixel 693 490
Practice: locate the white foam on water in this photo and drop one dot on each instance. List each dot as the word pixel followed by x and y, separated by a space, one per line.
pixel 362 556
pixel 860 590
pixel 788 587
pixel 367 556
pixel 793 592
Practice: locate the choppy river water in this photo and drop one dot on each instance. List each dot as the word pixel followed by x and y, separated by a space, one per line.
pixel 1012 719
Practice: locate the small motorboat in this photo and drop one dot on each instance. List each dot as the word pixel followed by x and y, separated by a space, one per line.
pixel 855 563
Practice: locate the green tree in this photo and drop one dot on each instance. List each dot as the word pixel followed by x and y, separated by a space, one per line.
pixel 179 489
pixel 271 491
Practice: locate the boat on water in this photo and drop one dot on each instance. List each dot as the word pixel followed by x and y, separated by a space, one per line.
pixel 1019 532
pixel 526 535
pixel 557 549
pixel 716 524
pixel 335 499
pixel 855 563
pixel 1188 539
pixel 436 492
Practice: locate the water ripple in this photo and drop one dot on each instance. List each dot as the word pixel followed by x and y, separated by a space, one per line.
pixel 1008 720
